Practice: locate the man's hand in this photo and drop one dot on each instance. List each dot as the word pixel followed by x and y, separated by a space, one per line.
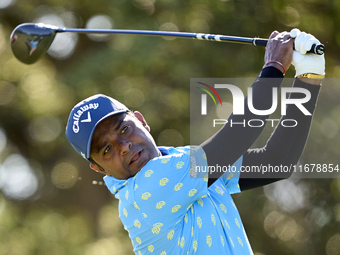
pixel 306 63
pixel 279 48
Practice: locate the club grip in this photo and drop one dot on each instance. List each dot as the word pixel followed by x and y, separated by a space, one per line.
pixel 260 42
pixel 318 49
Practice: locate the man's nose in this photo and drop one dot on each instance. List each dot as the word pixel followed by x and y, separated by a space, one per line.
pixel 125 146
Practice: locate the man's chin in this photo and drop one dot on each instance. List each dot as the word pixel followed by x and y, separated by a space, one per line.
pixel 144 157
pixel 140 162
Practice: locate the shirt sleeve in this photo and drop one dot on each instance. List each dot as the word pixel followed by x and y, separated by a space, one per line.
pixel 232 176
pixel 166 187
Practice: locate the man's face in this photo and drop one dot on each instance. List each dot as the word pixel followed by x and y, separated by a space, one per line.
pixel 122 145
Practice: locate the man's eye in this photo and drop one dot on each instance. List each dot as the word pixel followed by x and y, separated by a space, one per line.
pixel 107 149
pixel 124 129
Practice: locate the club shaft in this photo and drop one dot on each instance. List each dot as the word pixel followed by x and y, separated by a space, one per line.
pixel 199 36
pixel 38 38
pixel 316 49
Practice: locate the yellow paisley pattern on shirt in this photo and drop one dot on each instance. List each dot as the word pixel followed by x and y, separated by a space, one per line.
pixel 195 245
pixel 160 194
pixel 209 241
pixel 178 186
pixel 175 208
pixel 138 240
pixel 135 205
pixel 222 240
pixel 199 222
pixel 156 228
pixel 165 160
pixel 151 248
pixel 180 165
pixel 240 241
pixel 137 224
pixel 192 192
pixel 146 195
pixel 148 173
pixel 160 204
pixel 213 219
pixel 163 181
pixel 181 242
pixel 171 234
pixel 125 212
pixel 223 208
pixel 237 223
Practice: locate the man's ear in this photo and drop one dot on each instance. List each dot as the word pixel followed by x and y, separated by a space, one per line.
pixel 141 118
pixel 97 168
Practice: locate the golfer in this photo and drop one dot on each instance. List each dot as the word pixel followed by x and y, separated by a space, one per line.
pixel 162 206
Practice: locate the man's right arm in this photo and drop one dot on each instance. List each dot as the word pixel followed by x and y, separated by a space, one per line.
pixel 229 143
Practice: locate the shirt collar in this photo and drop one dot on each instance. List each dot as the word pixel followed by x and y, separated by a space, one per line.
pixel 114 184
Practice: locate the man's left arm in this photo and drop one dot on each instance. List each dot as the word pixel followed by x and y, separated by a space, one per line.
pixel 230 142
pixel 285 145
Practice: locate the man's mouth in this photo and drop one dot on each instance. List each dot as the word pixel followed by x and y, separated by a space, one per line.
pixel 135 157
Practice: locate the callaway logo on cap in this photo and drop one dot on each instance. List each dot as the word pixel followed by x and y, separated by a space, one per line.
pixel 85 117
pixel 77 115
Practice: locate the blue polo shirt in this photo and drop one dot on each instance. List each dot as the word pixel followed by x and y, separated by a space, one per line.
pixel 167 208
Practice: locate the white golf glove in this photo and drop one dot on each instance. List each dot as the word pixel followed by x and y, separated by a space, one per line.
pixel 306 63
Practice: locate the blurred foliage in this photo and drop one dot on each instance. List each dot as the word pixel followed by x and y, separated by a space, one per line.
pixel 51 203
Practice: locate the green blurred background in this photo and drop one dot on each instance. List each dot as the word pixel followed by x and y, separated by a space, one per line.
pixel 52 203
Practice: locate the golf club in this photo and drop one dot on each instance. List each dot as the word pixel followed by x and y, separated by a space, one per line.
pixel 31 41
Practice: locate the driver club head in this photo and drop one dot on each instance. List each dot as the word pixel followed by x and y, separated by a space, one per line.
pixel 30 42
